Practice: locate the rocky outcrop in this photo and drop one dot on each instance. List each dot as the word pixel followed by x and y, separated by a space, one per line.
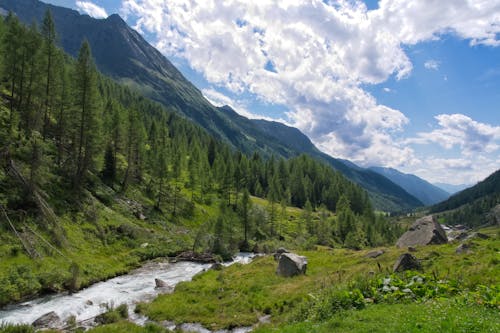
pixel 279 252
pixel 423 231
pixel 291 264
pixel 374 254
pixel 406 262
pixel 48 320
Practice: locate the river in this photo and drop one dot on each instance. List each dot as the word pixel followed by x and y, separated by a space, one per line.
pixel 132 288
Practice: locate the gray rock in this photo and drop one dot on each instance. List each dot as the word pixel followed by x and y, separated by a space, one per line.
pixel 279 252
pixel 423 231
pixel 463 248
pixel 48 320
pixel 291 264
pixel 374 254
pixel 217 266
pixel 161 284
pixel 406 262
pixel 478 235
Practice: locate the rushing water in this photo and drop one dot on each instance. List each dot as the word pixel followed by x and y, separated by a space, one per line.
pixel 137 286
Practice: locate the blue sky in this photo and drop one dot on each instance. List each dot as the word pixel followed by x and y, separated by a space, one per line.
pixel 410 85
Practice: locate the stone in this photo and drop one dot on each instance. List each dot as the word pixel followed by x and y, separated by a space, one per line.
pixel 279 252
pixel 478 235
pixel 217 266
pixel 463 248
pixel 161 284
pixel 48 320
pixel 374 254
pixel 291 264
pixel 406 262
pixel 423 231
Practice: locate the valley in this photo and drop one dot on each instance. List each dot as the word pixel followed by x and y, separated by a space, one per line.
pixel 128 202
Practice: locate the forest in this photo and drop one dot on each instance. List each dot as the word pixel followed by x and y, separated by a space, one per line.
pixel 66 131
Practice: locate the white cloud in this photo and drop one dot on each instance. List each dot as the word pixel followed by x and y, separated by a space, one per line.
pixel 432 64
pixel 219 99
pixel 91 9
pixel 458 130
pixel 315 57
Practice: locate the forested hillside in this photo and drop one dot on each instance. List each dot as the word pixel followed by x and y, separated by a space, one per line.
pixel 123 54
pixel 91 170
pixel 470 206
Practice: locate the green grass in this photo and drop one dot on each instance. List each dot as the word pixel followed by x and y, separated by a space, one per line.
pixel 239 295
pixel 436 316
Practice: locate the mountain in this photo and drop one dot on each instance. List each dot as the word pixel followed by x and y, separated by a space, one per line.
pixel 122 53
pixel 421 189
pixel 490 187
pixel 473 205
pixel 384 193
pixel 452 189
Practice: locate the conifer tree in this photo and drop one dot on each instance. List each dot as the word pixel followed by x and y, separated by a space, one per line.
pixel 87 108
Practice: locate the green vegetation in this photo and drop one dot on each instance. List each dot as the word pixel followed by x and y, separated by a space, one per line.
pixel 470 206
pixel 434 316
pixel 337 280
pixel 95 178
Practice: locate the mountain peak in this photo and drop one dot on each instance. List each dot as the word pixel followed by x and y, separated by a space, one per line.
pixel 116 19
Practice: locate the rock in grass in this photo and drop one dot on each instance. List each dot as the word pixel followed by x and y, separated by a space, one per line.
pixel 374 254
pixel 291 264
pixel 423 231
pixel 279 252
pixel 48 320
pixel 406 262
pixel 463 248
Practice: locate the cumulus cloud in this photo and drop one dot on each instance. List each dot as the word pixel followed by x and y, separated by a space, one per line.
pixel 432 64
pixel 91 9
pixel 461 131
pixel 219 99
pixel 315 57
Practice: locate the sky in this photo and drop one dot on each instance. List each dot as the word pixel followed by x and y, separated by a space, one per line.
pixel 412 85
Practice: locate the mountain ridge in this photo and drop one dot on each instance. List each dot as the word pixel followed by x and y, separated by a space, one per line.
pixel 122 53
pixel 426 192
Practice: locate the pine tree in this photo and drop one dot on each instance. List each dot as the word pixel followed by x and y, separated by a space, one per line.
pixel 86 105
pixel 49 38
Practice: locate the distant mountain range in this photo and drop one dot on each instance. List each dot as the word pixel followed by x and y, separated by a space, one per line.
pixel 123 54
pixel 452 189
pixel 421 189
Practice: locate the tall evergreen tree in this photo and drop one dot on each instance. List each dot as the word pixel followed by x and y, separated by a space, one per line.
pixel 87 108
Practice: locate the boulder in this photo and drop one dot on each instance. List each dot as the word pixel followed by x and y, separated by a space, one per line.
pixel 291 264
pixel 161 284
pixel 279 252
pixel 477 235
pixel 423 231
pixel 406 262
pixel 463 248
pixel 374 254
pixel 48 320
pixel 217 266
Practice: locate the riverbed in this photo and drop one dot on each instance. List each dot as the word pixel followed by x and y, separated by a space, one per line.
pixel 132 288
